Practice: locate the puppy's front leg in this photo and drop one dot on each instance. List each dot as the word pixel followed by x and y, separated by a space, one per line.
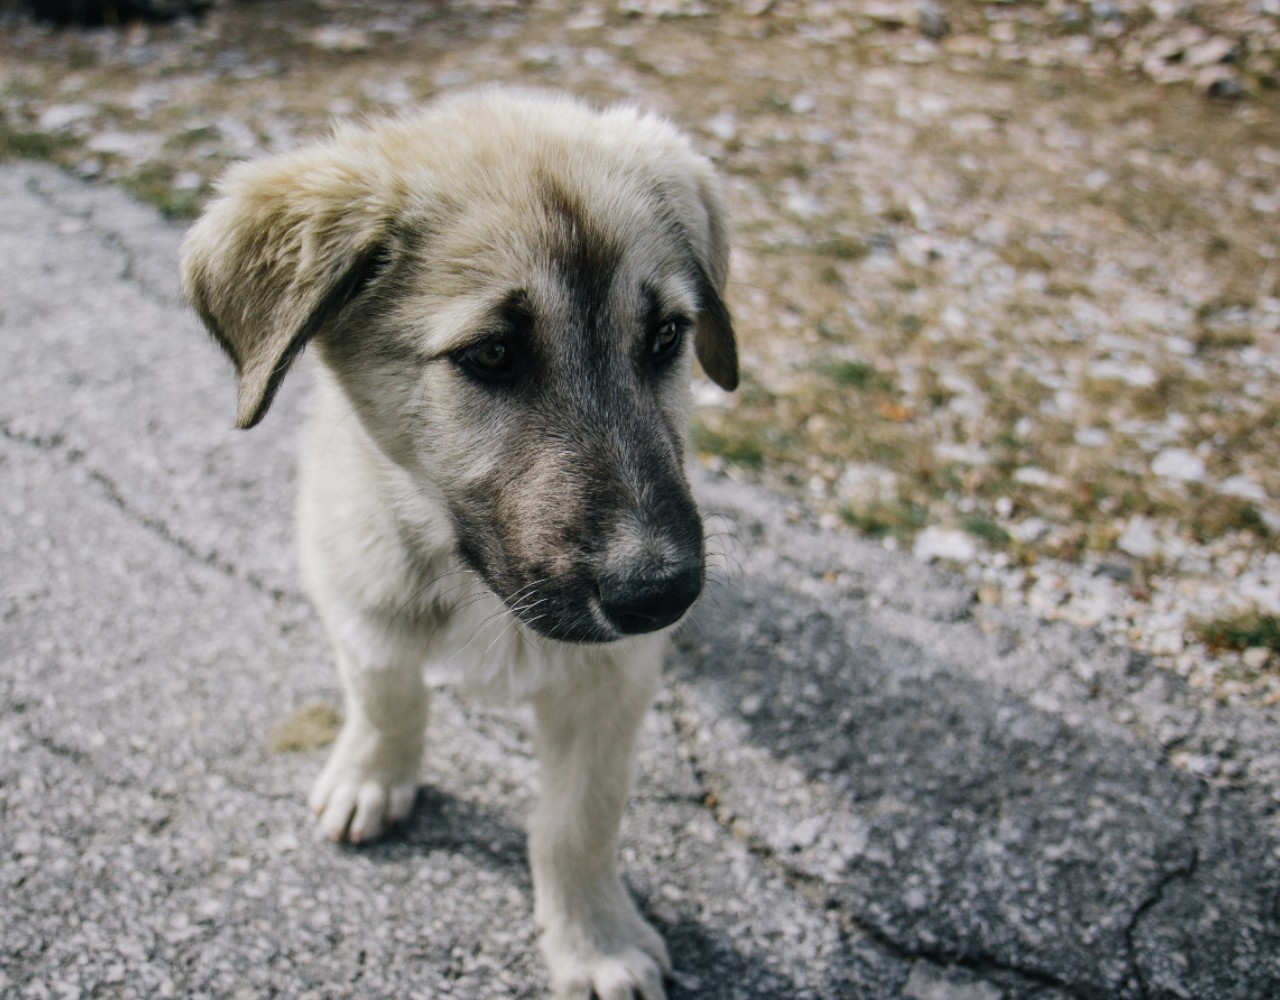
pixel 370 780
pixel 593 937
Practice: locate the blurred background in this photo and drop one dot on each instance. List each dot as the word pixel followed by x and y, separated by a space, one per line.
pixel 1004 273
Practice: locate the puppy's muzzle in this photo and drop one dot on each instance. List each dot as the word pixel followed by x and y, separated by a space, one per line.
pixel 644 602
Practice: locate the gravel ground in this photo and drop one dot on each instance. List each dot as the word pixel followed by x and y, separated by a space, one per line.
pixel 1005 273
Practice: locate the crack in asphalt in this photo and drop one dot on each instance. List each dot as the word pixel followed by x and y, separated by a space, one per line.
pixel 57 444
pixel 111 239
pixel 984 965
pixel 1184 871
pixel 812 889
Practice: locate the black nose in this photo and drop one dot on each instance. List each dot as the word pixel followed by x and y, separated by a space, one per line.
pixel 646 604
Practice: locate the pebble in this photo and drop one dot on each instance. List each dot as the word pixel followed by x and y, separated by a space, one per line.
pixel 935 543
pixel 1255 657
pixel 1139 538
pixel 1179 464
pixel 1243 488
pixel 339 38
pixel 60 117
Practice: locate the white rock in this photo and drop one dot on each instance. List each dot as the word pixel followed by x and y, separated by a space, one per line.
pixel 802 204
pixel 1244 488
pixel 963 454
pixel 132 146
pixel 1213 50
pixel 861 483
pixel 1179 464
pixel 1031 475
pixel 802 104
pixel 723 126
pixel 1255 657
pixel 1139 538
pixel 941 543
pixel 57 117
pixel 340 38
pixel 707 393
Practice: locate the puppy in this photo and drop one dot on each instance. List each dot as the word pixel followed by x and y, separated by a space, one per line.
pixel 505 293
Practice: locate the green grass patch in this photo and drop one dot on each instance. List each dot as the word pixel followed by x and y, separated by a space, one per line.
pixel 17 143
pixel 987 530
pixel 1210 340
pixel 854 375
pixel 842 248
pixel 190 138
pixel 878 518
pixel 153 182
pixel 734 444
pixel 1213 515
pixel 1240 632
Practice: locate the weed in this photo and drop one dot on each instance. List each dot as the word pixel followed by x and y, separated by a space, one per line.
pixel 734 444
pixel 153 182
pixel 1213 515
pixel 854 375
pixel 17 143
pixel 986 529
pixel 1247 630
pixel 878 518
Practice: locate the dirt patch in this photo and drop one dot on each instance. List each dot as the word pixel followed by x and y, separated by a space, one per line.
pixel 311 727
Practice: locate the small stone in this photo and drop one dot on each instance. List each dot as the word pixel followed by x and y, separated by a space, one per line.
pixel 802 104
pixel 940 543
pixel 1139 538
pixel 1030 475
pixel 340 38
pixel 805 833
pixel 723 126
pixel 1243 488
pixel 889 13
pixel 931 20
pixel 1204 765
pixel 1255 657
pixel 1219 81
pixel 1214 50
pixel 57 117
pixel 1179 464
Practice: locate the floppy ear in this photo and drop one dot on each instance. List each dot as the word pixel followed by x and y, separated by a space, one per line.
pixel 714 340
pixel 288 243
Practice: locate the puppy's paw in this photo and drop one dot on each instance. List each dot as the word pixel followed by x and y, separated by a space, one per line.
pixel 366 787
pixel 359 811
pixel 614 955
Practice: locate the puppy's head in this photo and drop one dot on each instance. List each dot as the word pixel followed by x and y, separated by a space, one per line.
pixel 509 289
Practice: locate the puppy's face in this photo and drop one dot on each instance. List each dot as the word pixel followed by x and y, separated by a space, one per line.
pixel 515 327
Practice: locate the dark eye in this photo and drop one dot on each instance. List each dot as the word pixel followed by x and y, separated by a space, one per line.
pixel 489 361
pixel 665 340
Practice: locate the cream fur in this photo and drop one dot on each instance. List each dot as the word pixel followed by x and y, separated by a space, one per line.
pixel 390 247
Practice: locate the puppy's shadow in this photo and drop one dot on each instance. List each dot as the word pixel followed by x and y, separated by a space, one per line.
pixel 708 963
pixel 710 967
pixel 441 822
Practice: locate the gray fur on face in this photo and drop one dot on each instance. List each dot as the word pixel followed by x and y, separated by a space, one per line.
pixel 585 437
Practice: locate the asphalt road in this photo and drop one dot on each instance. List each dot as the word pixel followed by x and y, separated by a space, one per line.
pixel 856 783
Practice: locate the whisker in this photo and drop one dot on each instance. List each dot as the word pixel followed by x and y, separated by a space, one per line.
pixel 505 609
pixel 416 596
